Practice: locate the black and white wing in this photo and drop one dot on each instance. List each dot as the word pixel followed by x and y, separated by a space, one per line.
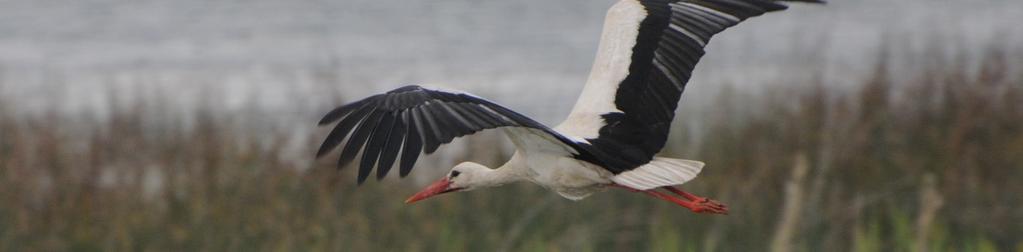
pixel 413 120
pixel 647 54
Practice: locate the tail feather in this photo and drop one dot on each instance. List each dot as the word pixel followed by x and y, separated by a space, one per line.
pixel 660 172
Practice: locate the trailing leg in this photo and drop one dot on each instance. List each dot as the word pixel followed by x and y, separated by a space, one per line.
pixel 701 205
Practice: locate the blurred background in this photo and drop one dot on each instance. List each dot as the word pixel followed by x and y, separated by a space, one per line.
pixel 862 125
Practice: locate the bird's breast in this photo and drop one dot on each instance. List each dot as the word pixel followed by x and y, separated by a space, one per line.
pixel 567 176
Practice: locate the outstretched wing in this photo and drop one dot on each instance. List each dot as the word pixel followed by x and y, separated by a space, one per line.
pixel 647 54
pixel 413 120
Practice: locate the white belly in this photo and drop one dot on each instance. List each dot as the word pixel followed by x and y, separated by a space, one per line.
pixel 571 178
pixel 550 165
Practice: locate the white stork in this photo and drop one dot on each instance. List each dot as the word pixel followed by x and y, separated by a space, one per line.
pixel 611 138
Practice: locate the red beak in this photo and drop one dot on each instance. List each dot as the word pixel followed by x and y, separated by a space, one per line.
pixel 440 187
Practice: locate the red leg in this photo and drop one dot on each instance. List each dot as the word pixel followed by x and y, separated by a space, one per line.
pixel 703 206
pixel 688 196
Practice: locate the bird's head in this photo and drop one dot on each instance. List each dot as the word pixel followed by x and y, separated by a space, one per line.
pixel 466 176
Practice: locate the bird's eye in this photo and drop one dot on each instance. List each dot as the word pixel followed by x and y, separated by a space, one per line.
pixel 455 174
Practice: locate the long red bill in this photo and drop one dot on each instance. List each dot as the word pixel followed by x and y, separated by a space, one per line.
pixel 439 187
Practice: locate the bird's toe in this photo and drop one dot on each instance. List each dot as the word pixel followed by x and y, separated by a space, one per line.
pixel 710 207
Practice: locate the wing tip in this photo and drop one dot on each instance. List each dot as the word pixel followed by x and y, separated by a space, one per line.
pixel 406 88
pixel 327 119
pixel 323 151
pixel 341 112
pixel 329 144
pixel 777 5
pixel 808 1
pixel 364 171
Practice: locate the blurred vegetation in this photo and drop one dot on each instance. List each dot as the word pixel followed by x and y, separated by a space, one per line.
pixel 928 162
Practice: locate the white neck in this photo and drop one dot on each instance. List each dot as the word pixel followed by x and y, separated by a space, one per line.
pixel 511 171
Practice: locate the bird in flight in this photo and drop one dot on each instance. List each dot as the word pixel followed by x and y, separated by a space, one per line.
pixel 611 138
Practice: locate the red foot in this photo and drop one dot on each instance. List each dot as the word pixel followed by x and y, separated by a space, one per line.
pixel 702 205
pixel 711 207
